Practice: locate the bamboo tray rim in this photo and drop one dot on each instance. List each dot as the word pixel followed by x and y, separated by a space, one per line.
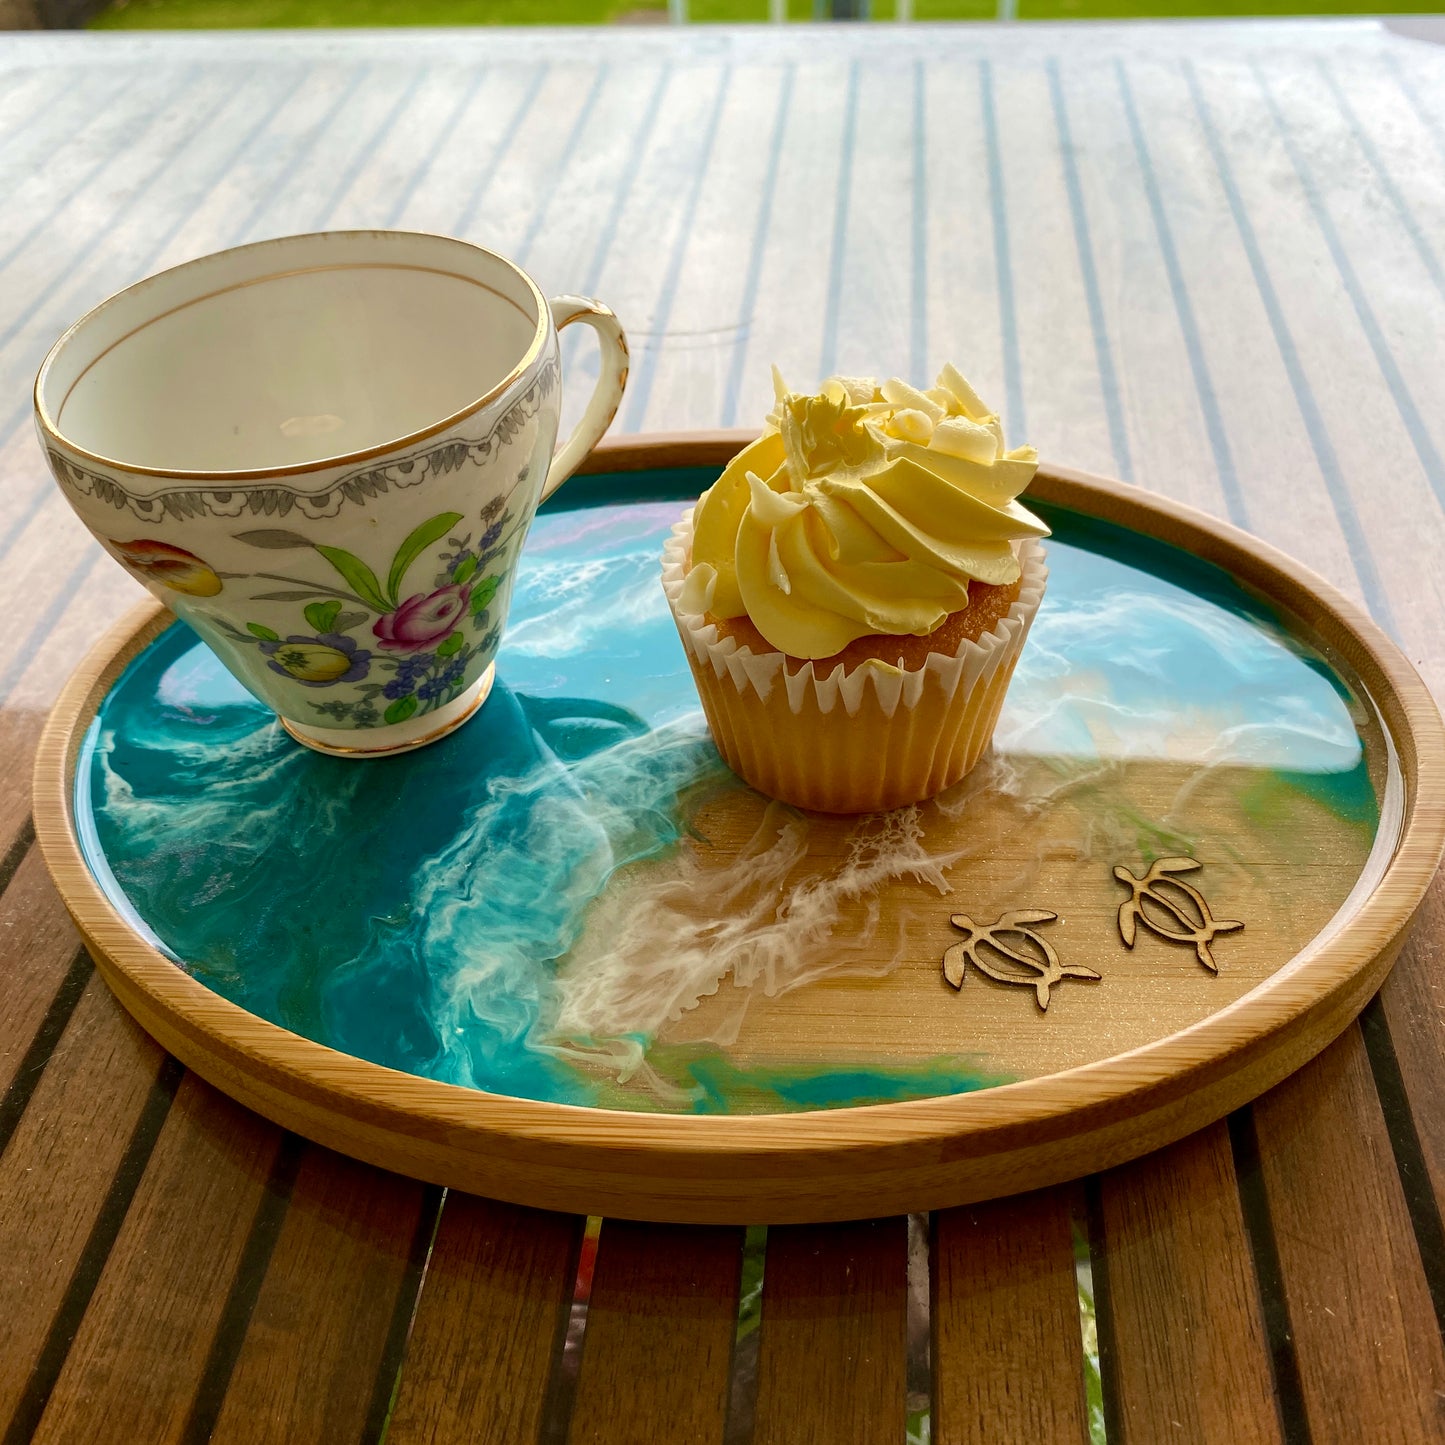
pixel 1048 1106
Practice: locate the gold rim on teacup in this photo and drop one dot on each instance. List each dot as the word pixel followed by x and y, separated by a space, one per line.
pixel 52 431
pixel 360 595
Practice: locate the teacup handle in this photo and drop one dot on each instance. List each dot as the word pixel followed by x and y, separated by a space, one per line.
pixel 606 395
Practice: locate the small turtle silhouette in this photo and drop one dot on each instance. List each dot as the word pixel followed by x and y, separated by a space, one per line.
pixel 1044 971
pixel 1199 933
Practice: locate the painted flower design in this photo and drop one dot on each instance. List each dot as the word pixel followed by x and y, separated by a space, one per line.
pixel 172 567
pixel 317 661
pixel 424 657
pixel 424 620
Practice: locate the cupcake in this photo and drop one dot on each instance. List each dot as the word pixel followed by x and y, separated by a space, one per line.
pixel 855 589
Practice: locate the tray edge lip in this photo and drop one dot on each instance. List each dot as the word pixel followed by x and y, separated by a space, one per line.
pixel 1040 1107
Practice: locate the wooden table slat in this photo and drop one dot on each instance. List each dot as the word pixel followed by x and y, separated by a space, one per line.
pixel 59 1175
pixel 1413 1006
pixel 1371 1361
pixel 164 1289
pixel 19 735
pixel 313 1362
pixel 40 945
pixel 489 1325
pixel 1007 1346
pixel 661 1322
pixel 1190 1359
pixel 832 1351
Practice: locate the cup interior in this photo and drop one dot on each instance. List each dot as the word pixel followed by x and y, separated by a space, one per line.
pixel 290 353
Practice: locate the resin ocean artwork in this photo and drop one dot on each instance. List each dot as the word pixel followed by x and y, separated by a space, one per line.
pixel 572 899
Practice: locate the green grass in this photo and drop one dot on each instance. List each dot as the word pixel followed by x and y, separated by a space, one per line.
pixel 264 14
pixel 269 14
pixel 1232 9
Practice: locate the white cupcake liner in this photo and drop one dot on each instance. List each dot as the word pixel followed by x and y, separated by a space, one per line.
pixel 897 738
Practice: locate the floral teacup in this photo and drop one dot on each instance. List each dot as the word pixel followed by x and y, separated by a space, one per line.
pixel 324 453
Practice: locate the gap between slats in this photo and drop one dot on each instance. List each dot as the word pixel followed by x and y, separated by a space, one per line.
pixel 235 1319
pixel 1288 1390
pixel 87 1272
pixel 42 1046
pixel 1409 1156
pixel 388 1375
pixel 15 854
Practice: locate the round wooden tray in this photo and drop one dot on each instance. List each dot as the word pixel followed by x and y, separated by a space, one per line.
pixel 820 1164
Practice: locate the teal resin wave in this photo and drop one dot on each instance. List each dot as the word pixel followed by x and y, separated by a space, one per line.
pixel 413 911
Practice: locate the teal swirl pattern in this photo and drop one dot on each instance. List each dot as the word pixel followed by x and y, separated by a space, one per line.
pixel 421 911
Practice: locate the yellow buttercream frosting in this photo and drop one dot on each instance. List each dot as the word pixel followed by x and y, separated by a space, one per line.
pixel 865 508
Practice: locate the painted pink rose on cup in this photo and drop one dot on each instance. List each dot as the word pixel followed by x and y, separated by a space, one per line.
pixel 424 620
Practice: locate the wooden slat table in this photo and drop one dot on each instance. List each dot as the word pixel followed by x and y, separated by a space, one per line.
pixel 1208 259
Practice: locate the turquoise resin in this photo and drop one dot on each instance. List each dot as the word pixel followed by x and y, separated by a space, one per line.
pixel 412 911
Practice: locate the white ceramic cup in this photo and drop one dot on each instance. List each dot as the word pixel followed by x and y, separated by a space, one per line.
pixel 324 453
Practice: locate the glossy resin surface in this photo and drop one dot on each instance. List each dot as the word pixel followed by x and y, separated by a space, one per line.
pixel 572 899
